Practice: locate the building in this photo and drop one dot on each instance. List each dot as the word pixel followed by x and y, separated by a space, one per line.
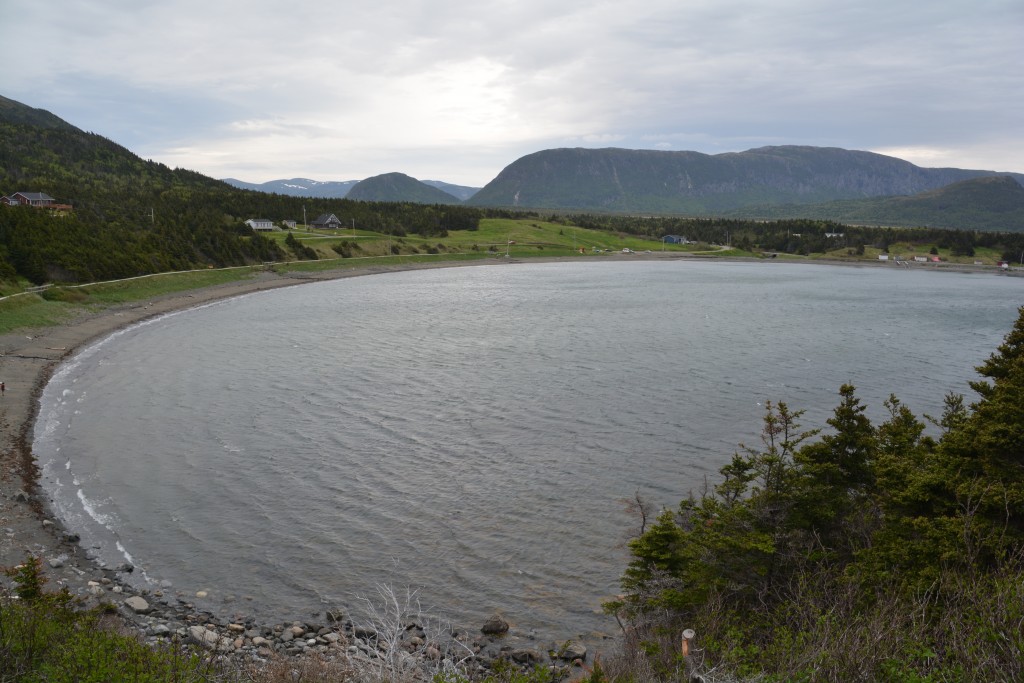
pixel 37 200
pixel 261 224
pixel 289 224
pixel 326 221
pixel 675 239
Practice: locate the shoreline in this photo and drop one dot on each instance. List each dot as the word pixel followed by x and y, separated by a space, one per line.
pixel 28 360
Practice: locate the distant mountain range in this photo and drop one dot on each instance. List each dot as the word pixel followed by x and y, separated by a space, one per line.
pixel 691 182
pixel 339 189
pixel 767 182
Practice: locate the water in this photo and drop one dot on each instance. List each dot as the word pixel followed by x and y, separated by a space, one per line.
pixel 471 431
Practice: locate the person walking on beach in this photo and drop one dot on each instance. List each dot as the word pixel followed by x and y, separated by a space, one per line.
pixel 3 388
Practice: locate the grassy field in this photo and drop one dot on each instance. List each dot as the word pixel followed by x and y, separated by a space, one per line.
pixel 494 239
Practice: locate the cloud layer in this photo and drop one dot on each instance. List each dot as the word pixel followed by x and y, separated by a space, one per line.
pixel 456 91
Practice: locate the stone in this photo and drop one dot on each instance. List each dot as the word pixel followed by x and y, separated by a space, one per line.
pixel 527 656
pixel 495 626
pixel 158 630
pixel 56 562
pixel 203 637
pixel 236 628
pixel 201 594
pixel 260 641
pixel 138 605
pixel 287 635
pixel 331 637
pixel 573 650
pixel 21 497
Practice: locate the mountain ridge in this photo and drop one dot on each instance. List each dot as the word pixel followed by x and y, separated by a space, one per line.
pixel 615 179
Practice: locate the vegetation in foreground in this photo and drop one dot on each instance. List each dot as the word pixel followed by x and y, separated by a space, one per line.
pixel 872 553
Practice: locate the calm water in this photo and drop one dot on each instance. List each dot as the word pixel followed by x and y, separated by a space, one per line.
pixel 471 431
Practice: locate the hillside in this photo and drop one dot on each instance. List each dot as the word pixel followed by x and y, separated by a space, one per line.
pixel 398 187
pixel 994 203
pixel 131 216
pixel 692 183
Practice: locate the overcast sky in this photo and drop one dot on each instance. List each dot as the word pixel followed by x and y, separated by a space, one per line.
pixel 457 90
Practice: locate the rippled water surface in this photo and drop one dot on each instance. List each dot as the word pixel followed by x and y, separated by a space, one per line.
pixel 471 431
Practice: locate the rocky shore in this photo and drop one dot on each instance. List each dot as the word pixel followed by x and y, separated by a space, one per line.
pixel 27 528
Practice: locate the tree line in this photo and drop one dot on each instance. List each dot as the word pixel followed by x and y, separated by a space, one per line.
pixel 859 552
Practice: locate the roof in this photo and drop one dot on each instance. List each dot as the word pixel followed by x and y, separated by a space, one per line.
pixel 35 196
pixel 326 218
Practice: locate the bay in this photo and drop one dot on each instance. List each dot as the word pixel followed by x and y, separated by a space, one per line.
pixel 471 432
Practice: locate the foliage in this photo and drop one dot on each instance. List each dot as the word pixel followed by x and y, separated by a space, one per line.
pixel 806 547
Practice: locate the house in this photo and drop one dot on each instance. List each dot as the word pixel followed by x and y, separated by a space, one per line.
pixel 675 239
pixel 289 224
pixel 326 221
pixel 883 257
pixel 258 224
pixel 38 200
pixel 33 199
pixel 834 235
pixel 921 259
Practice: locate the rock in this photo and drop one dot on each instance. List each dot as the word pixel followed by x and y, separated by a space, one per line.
pixel 236 628
pixel 126 567
pixel 260 641
pixel 331 637
pixel 201 594
pixel 572 650
pixel 335 615
pixel 203 637
pixel 21 496
pixel 495 626
pixel 287 635
pixel 138 605
pixel 527 656
pixel 158 630
pixel 71 537
pixel 56 562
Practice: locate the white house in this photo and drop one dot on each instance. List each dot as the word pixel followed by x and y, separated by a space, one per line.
pixel 260 223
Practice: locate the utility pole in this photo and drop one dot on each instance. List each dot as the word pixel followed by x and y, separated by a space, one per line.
pixel 353 227
pixel 152 216
pixel 305 226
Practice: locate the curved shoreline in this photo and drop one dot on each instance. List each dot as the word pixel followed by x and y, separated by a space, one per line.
pixel 29 359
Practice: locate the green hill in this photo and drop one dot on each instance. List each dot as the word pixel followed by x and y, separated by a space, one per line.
pixel 398 187
pixel 691 183
pixel 132 217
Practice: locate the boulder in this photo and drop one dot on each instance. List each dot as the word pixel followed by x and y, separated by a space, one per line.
pixel 572 651
pixel 202 636
pixel 138 605
pixel 495 626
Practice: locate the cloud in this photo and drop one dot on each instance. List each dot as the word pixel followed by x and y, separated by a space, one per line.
pixel 458 90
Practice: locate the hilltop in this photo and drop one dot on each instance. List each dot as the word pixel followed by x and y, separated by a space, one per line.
pixel 398 187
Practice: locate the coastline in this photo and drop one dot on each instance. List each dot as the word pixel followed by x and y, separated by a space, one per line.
pixel 28 360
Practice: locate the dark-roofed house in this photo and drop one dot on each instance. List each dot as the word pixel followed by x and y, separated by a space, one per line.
pixel 326 221
pixel 32 199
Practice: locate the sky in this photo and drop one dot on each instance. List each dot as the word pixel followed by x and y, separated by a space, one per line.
pixel 457 90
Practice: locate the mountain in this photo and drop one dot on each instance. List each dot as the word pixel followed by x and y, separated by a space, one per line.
pixel 298 187
pixel 701 184
pixel 993 203
pixel 460 192
pixel 398 187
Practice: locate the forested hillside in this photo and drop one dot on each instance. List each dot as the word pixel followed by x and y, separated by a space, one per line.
pixel 649 181
pixel 132 216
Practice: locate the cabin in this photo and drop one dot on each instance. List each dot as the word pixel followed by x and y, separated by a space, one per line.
pixel 326 221
pixel 261 224
pixel 884 257
pixel 675 239
pixel 289 224
pixel 921 259
pixel 37 200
